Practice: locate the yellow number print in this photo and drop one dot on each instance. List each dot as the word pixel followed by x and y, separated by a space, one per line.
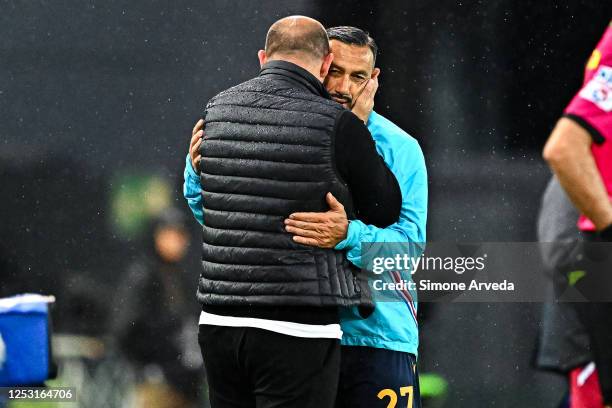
pixel 407 390
pixel 387 392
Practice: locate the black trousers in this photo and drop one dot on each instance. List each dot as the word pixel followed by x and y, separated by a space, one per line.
pixel 596 312
pixel 249 367
pixel 597 318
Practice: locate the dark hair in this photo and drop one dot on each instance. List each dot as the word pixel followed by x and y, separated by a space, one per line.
pixel 353 36
pixel 311 40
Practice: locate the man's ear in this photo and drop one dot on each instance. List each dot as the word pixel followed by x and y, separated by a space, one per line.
pixel 375 73
pixel 263 58
pixel 325 66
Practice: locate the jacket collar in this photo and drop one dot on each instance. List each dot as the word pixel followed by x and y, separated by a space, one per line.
pixel 296 75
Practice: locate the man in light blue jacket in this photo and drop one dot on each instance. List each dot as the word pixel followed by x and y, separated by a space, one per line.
pixel 378 353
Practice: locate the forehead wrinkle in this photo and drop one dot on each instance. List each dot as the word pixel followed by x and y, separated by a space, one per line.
pixel 347 51
pixel 353 65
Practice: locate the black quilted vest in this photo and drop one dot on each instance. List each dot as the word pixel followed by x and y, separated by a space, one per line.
pixel 268 151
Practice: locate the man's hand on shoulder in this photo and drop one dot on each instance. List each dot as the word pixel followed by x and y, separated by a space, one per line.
pixel 194 146
pixel 364 104
pixel 319 229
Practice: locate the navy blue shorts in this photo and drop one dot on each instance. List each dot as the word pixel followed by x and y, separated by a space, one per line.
pixel 372 378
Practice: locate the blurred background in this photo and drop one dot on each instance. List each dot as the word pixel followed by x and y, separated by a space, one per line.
pixel 97 102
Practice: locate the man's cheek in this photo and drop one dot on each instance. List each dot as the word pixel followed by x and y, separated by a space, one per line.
pixel 355 91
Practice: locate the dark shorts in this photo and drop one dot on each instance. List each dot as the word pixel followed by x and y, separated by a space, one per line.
pixel 372 378
pixel 596 313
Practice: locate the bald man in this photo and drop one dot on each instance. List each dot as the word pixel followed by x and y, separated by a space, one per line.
pixel 275 145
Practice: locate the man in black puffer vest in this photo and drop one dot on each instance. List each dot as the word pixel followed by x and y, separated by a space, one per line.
pixel 275 145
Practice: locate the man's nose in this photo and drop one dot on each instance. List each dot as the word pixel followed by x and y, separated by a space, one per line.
pixel 345 86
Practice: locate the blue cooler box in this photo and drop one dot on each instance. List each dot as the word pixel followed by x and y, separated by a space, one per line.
pixel 25 353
